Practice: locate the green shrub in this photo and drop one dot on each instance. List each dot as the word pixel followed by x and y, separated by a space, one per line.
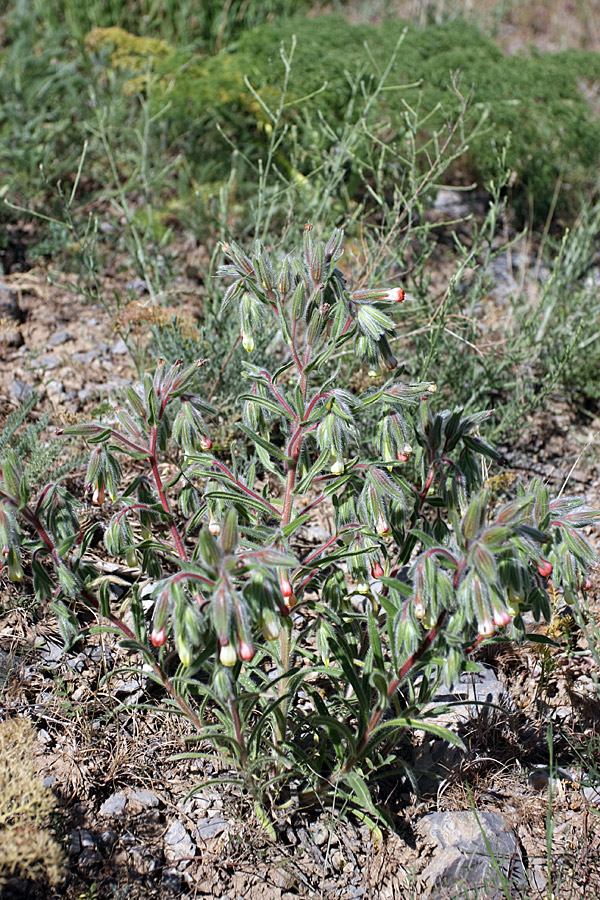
pixel 297 662
pixel 537 99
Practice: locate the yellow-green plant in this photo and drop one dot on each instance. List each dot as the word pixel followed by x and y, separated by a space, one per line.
pixel 27 849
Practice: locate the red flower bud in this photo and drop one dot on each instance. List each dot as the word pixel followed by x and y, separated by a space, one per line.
pixel 245 651
pixel 205 443
pixel 158 638
pixel 376 569
pixel 501 617
pixel 286 588
pixel 545 568
pixel 586 584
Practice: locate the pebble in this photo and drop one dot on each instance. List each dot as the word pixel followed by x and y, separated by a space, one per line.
pixel 48 361
pixel 86 356
pixel 178 843
pixel 171 881
pixel 592 795
pixel 109 838
pixel 451 203
pixel 10 309
pixel 20 390
pixel 55 391
pixel 320 834
pixel 59 337
pixel 137 286
pixel 87 838
pixel 114 806
pixel 210 828
pixel 119 348
pixel 74 843
pixel 145 798
pixel 337 860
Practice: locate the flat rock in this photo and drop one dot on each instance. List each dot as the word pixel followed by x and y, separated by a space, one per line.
pixel 59 337
pixel 119 348
pixel 86 356
pixel 592 795
pixel 48 361
pixel 20 390
pixel 144 798
pixel 178 843
pixel 114 806
pixel 210 828
pixel 462 863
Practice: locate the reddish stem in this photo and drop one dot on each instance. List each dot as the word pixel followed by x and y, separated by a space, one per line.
pixel 276 512
pixel 165 503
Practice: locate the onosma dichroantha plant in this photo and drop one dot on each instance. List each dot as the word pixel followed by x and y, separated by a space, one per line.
pixel 298 660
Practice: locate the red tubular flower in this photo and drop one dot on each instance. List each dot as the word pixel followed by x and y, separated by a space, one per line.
pixel 395 295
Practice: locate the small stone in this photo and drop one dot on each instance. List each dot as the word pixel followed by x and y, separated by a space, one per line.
pixel 171 881
pixel 179 843
pixel 109 838
pixel 10 309
pixel 55 392
pixel 49 781
pixel 59 337
pixel 592 795
pixel 320 834
pixel 462 856
pixel 86 357
pixel 119 348
pixel 74 843
pixel 145 798
pixel 137 286
pixel 89 857
pixel 114 806
pixel 451 203
pixel 538 879
pixel 48 361
pixel 211 828
pixel 87 838
pixel 337 860
pixel 21 391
